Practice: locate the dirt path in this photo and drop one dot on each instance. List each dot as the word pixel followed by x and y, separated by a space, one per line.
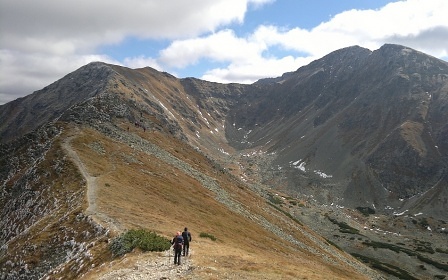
pixel 92 189
pixel 147 266
pixel 151 267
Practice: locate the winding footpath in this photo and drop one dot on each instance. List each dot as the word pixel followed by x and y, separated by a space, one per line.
pixel 150 267
pixel 91 189
pixel 160 266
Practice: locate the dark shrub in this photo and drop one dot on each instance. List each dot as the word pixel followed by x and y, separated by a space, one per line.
pixel 138 238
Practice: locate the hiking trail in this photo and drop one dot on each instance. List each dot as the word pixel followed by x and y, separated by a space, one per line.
pixel 91 189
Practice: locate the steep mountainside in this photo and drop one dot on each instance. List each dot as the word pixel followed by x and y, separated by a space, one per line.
pixel 371 126
pixel 107 148
pixel 120 159
pixel 28 113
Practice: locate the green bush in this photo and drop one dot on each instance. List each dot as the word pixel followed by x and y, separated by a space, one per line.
pixel 138 238
pixel 392 247
pixel 388 268
pixel 343 227
pixel 432 262
pixel 207 235
pixel 286 213
pixel 275 199
pixel 424 223
pixel 444 251
pixel 366 211
pixel 334 245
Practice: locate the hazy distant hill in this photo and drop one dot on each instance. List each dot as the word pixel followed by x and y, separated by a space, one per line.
pixel 108 148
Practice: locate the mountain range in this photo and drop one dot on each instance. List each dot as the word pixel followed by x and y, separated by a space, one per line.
pixel 355 141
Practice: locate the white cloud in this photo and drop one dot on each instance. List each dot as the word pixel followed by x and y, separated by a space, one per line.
pixel 255 70
pixel 46 39
pixel 220 46
pixel 141 62
pixel 402 19
pixel 414 23
pixel 108 21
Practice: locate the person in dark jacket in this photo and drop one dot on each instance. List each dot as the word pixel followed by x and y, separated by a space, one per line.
pixel 186 235
pixel 177 243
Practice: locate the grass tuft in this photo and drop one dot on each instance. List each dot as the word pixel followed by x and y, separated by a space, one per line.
pixel 207 235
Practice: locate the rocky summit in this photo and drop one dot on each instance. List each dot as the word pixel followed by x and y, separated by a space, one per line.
pixel 335 171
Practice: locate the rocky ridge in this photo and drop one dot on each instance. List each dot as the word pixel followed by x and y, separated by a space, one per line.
pixel 380 114
pixel 223 197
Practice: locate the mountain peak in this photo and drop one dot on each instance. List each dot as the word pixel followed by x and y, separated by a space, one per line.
pixel 351 134
pixel 390 48
pixel 28 113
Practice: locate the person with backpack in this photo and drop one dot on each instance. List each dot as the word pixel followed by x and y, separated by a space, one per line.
pixel 177 243
pixel 186 235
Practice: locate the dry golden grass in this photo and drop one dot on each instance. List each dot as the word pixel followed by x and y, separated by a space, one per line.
pixel 137 190
pixel 411 133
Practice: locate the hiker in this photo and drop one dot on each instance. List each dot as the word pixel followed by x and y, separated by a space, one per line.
pixel 186 235
pixel 177 243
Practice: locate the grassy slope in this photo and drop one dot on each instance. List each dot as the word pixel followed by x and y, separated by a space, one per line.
pixel 137 190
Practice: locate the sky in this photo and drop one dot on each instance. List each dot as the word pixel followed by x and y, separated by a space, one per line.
pixel 216 40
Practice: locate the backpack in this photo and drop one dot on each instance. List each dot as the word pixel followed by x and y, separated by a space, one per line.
pixel 178 242
pixel 187 237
